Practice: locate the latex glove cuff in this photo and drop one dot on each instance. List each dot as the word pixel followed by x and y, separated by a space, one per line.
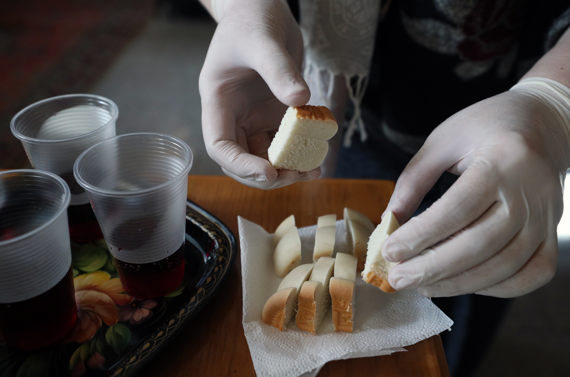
pixel 551 93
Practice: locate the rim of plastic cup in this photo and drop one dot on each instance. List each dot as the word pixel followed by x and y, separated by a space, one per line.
pixel 92 188
pixel 29 139
pixel 66 193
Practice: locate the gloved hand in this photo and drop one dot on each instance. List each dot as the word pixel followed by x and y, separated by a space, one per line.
pixel 494 231
pixel 250 75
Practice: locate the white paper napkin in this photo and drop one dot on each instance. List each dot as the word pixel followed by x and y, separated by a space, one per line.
pixel 383 323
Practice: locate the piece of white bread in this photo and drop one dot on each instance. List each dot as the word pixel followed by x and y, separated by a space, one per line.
pixel 324 236
pixel 345 266
pixel 314 298
pixel 359 227
pixel 313 303
pixel 342 298
pixel 296 277
pixel 283 227
pixel 342 292
pixel 323 270
pixel 301 143
pixel 287 253
pixel 377 268
pixel 279 308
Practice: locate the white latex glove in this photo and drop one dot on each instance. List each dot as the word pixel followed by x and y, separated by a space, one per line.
pixel 250 75
pixel 494 231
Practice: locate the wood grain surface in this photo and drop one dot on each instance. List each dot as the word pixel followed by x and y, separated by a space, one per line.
pixel 213 343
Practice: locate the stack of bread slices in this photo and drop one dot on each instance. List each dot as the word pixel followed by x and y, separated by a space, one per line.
pixel 308 292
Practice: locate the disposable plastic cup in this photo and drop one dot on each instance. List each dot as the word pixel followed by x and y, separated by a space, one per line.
pixel 37 299
pixel 54 132
pixel 137 184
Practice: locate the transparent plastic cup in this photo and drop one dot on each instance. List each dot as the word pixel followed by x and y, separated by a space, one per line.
pixel 37 299
pixel 54 132
pixel 137 184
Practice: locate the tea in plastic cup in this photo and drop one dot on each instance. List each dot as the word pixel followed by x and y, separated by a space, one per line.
pixel 137 184
pixel 54 132
pixel 37 298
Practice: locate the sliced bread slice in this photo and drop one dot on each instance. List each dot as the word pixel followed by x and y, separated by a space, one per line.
pixel 342 292
pixel 286 224
pixel 314 298
pixel 324 236
pixel 322 271
pixel 296 277
pixel 287 253
pixel 342 296
pixel 312 306
pixel 279 308
pixel 345 266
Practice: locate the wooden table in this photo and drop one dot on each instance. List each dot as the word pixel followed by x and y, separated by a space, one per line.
pixel 213 343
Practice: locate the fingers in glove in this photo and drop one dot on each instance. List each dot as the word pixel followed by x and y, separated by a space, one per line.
pixel 281 73
pixel 537 272
pixel 418 177
pixel 492 271
pixel 222 144
pixel 465 250
pixel 466 200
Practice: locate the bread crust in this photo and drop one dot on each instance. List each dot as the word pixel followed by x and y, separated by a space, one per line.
pixel 307 307
pixel 342 296
pixel 275 309
pixel 301 142
pixel 314 113
pixel 378 281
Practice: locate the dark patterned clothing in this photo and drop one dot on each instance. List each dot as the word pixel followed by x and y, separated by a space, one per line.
pixel 434 58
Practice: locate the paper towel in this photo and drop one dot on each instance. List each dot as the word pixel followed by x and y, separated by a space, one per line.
pixel 383 323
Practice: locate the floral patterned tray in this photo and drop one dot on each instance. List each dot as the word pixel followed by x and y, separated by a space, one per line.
pixel 115 334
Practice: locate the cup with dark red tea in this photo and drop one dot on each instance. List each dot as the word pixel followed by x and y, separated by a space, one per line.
pixel 37 299
pixel 54 132
pixel 137 184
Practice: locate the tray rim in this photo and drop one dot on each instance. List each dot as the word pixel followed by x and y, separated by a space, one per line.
pixel 204 292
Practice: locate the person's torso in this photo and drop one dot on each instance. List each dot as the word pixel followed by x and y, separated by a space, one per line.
pixel 433 58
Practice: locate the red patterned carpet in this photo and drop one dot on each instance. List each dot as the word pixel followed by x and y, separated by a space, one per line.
pixel 53 47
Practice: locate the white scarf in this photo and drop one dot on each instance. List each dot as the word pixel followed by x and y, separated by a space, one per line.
pixel 339 41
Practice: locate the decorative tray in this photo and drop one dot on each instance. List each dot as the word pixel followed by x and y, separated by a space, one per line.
pixel 116 341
